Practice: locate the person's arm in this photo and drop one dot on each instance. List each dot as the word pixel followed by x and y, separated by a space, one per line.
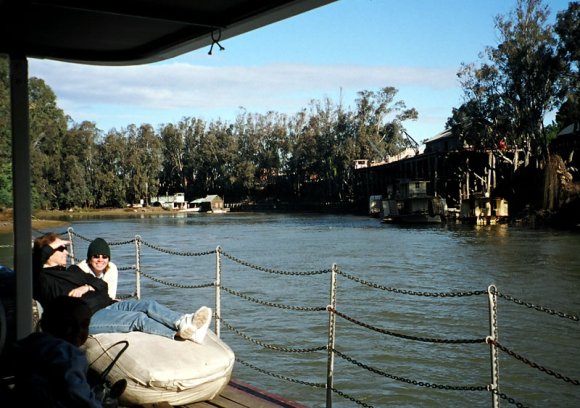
pixel 81 290
pixel 112 279
pixel 78 388
pixel 84 279
pixel 86 282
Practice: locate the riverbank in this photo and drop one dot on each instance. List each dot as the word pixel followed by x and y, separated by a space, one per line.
pixel 46 220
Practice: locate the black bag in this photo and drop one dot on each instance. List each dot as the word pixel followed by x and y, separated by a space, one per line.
pixel 104 391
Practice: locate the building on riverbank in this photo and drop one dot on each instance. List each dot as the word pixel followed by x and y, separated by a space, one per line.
pixel 468 180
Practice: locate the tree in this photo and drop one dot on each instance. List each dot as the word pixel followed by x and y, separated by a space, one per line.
pixel 379 124
pixel 568 29
pixel 110 182
pixel 79 166
pixel 172 177
pixel 143 159
pixel 48 126
pixel 5 128
pixel 5 137
pixel 517 84
pixel 194 131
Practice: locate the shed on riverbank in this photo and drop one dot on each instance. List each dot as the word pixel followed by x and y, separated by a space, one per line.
pixel 210 203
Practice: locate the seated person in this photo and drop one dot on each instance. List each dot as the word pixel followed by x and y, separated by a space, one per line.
pixel 51 278
pixel 98 263
pixel 51 370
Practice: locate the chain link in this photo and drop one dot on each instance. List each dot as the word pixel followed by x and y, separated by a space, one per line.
pixel 508 399
pixel 409 381
pixel 405 336
pixel 127 296
pixel 538 307
pixel 532 364
pixel 278 305
pixel 329 347
pixel 177 285
pixel 274 271
pixel 110 243
pixel 412 292
pixel 311 384
pixel 39 232
pixel 346 396
pixel 269 346
pixel 167 251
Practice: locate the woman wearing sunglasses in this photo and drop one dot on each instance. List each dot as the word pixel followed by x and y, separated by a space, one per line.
pixel 52 278
pixel 98 263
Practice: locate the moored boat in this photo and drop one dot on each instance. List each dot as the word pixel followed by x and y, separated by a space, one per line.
pixel 412 204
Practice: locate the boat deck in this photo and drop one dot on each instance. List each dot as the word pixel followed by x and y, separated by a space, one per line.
pixel 238 395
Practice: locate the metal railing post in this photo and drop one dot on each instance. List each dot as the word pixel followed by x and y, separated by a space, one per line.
pixel 138 266
pixel 218 285
pixel 493 336
pixel 331 338
pixel 71 248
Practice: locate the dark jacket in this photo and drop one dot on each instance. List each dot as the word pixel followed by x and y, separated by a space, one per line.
pixel 51 373
pixel 59 281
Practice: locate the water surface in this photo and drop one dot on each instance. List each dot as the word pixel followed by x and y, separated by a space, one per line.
pixel 541 267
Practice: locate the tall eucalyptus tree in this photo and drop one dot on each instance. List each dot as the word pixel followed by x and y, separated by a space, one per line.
pixel 79 166
pixel 379 124
pixel 568 29
pixel 111 185
pixel 172 179
pixel 48 126
pixel 508 95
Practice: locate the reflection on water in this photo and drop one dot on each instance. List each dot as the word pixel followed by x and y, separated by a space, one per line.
pixel 539 266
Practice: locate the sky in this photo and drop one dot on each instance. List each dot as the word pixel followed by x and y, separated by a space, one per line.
pixel 334 52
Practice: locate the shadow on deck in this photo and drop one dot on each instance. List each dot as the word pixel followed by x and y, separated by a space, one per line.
pixel 238 394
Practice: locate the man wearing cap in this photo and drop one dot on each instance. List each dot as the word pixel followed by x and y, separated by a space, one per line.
pixel 98 263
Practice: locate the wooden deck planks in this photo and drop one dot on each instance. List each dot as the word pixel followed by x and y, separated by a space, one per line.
pixel 238 394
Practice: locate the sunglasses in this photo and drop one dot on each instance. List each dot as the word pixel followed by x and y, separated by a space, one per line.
pixel 100 256
pixel 61 248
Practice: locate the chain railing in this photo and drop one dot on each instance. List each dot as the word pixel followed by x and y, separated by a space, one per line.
pixel 330 348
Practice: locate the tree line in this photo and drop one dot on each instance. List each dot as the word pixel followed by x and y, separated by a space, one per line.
pixel 256 156
pixel 305 156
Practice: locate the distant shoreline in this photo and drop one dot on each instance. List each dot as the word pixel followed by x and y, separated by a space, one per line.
pixel 47 220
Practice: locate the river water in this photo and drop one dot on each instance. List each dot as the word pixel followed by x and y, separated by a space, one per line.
pixel 540 268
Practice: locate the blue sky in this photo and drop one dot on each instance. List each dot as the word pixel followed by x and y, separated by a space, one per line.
pixel 335 51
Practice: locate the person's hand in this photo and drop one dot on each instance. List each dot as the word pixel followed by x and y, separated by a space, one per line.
pixel 59 242
pixel 80 291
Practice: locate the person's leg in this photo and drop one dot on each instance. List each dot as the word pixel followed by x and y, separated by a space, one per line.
pixel 116 320
pixel 151 308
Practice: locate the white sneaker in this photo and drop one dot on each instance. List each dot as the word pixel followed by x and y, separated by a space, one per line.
pixel 185 328
pixel 201 320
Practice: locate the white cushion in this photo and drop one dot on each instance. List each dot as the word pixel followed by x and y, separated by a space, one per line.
pixel 160 369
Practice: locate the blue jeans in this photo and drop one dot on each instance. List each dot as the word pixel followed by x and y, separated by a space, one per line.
pixel 125 316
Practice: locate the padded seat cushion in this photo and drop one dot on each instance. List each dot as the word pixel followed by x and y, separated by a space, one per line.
pixel 160 369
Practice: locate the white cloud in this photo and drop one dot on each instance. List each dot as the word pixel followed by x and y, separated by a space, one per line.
pixel 111 95
pixel 182 85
